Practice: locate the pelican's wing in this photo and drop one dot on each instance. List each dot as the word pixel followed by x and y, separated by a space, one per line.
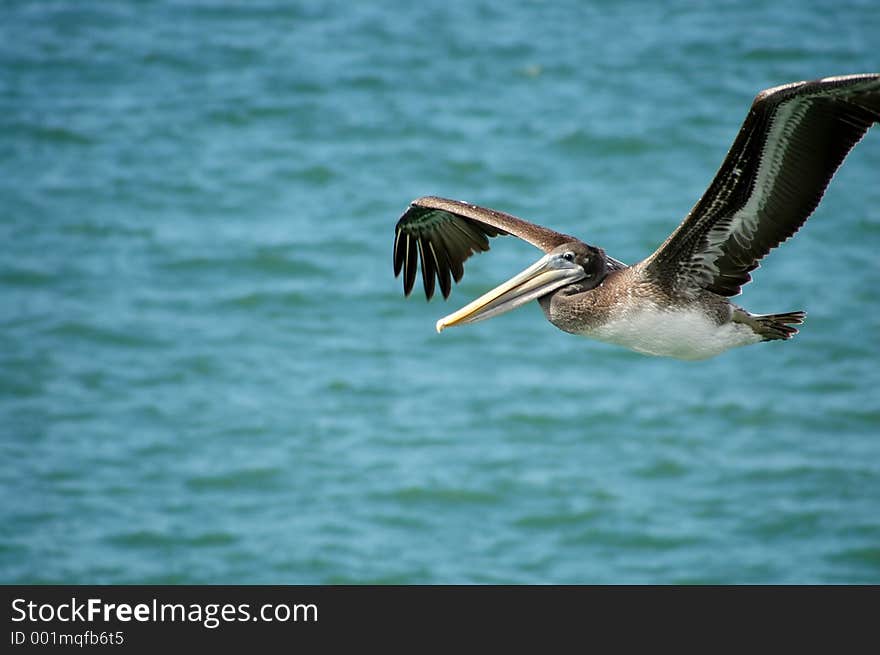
pixel 791 143
pixel 444 233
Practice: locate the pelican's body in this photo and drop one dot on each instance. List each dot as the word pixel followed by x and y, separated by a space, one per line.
pixel 634 315
pixel 675 302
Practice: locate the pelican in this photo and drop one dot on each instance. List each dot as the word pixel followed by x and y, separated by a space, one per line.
pixel 675 302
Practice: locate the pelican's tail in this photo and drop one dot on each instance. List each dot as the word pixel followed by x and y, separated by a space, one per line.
pixel 775 326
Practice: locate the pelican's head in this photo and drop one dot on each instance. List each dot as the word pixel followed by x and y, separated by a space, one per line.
pixel 570 263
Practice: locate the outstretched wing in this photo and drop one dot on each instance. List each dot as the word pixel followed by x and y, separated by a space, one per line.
pixel 790 145
pixel 443 233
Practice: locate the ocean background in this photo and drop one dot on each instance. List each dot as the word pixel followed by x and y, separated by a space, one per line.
pixel 210 374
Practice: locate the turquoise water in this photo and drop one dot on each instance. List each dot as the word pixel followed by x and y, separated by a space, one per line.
pixel 210 375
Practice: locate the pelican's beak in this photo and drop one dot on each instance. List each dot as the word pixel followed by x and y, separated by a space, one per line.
pixel 547 274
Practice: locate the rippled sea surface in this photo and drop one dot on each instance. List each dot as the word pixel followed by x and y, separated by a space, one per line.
pixel 210 374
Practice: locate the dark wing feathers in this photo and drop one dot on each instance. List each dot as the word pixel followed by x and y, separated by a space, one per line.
pixel 445 233
pixel 790 145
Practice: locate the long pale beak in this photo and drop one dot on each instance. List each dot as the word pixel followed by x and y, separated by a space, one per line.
pixel 547 274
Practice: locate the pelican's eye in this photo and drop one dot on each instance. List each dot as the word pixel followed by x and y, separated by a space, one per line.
pixel 568 256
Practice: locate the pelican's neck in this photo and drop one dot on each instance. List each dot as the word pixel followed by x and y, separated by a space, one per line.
pixel 571 309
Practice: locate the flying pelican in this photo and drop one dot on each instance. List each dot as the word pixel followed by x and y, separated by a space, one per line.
pixel 675 302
